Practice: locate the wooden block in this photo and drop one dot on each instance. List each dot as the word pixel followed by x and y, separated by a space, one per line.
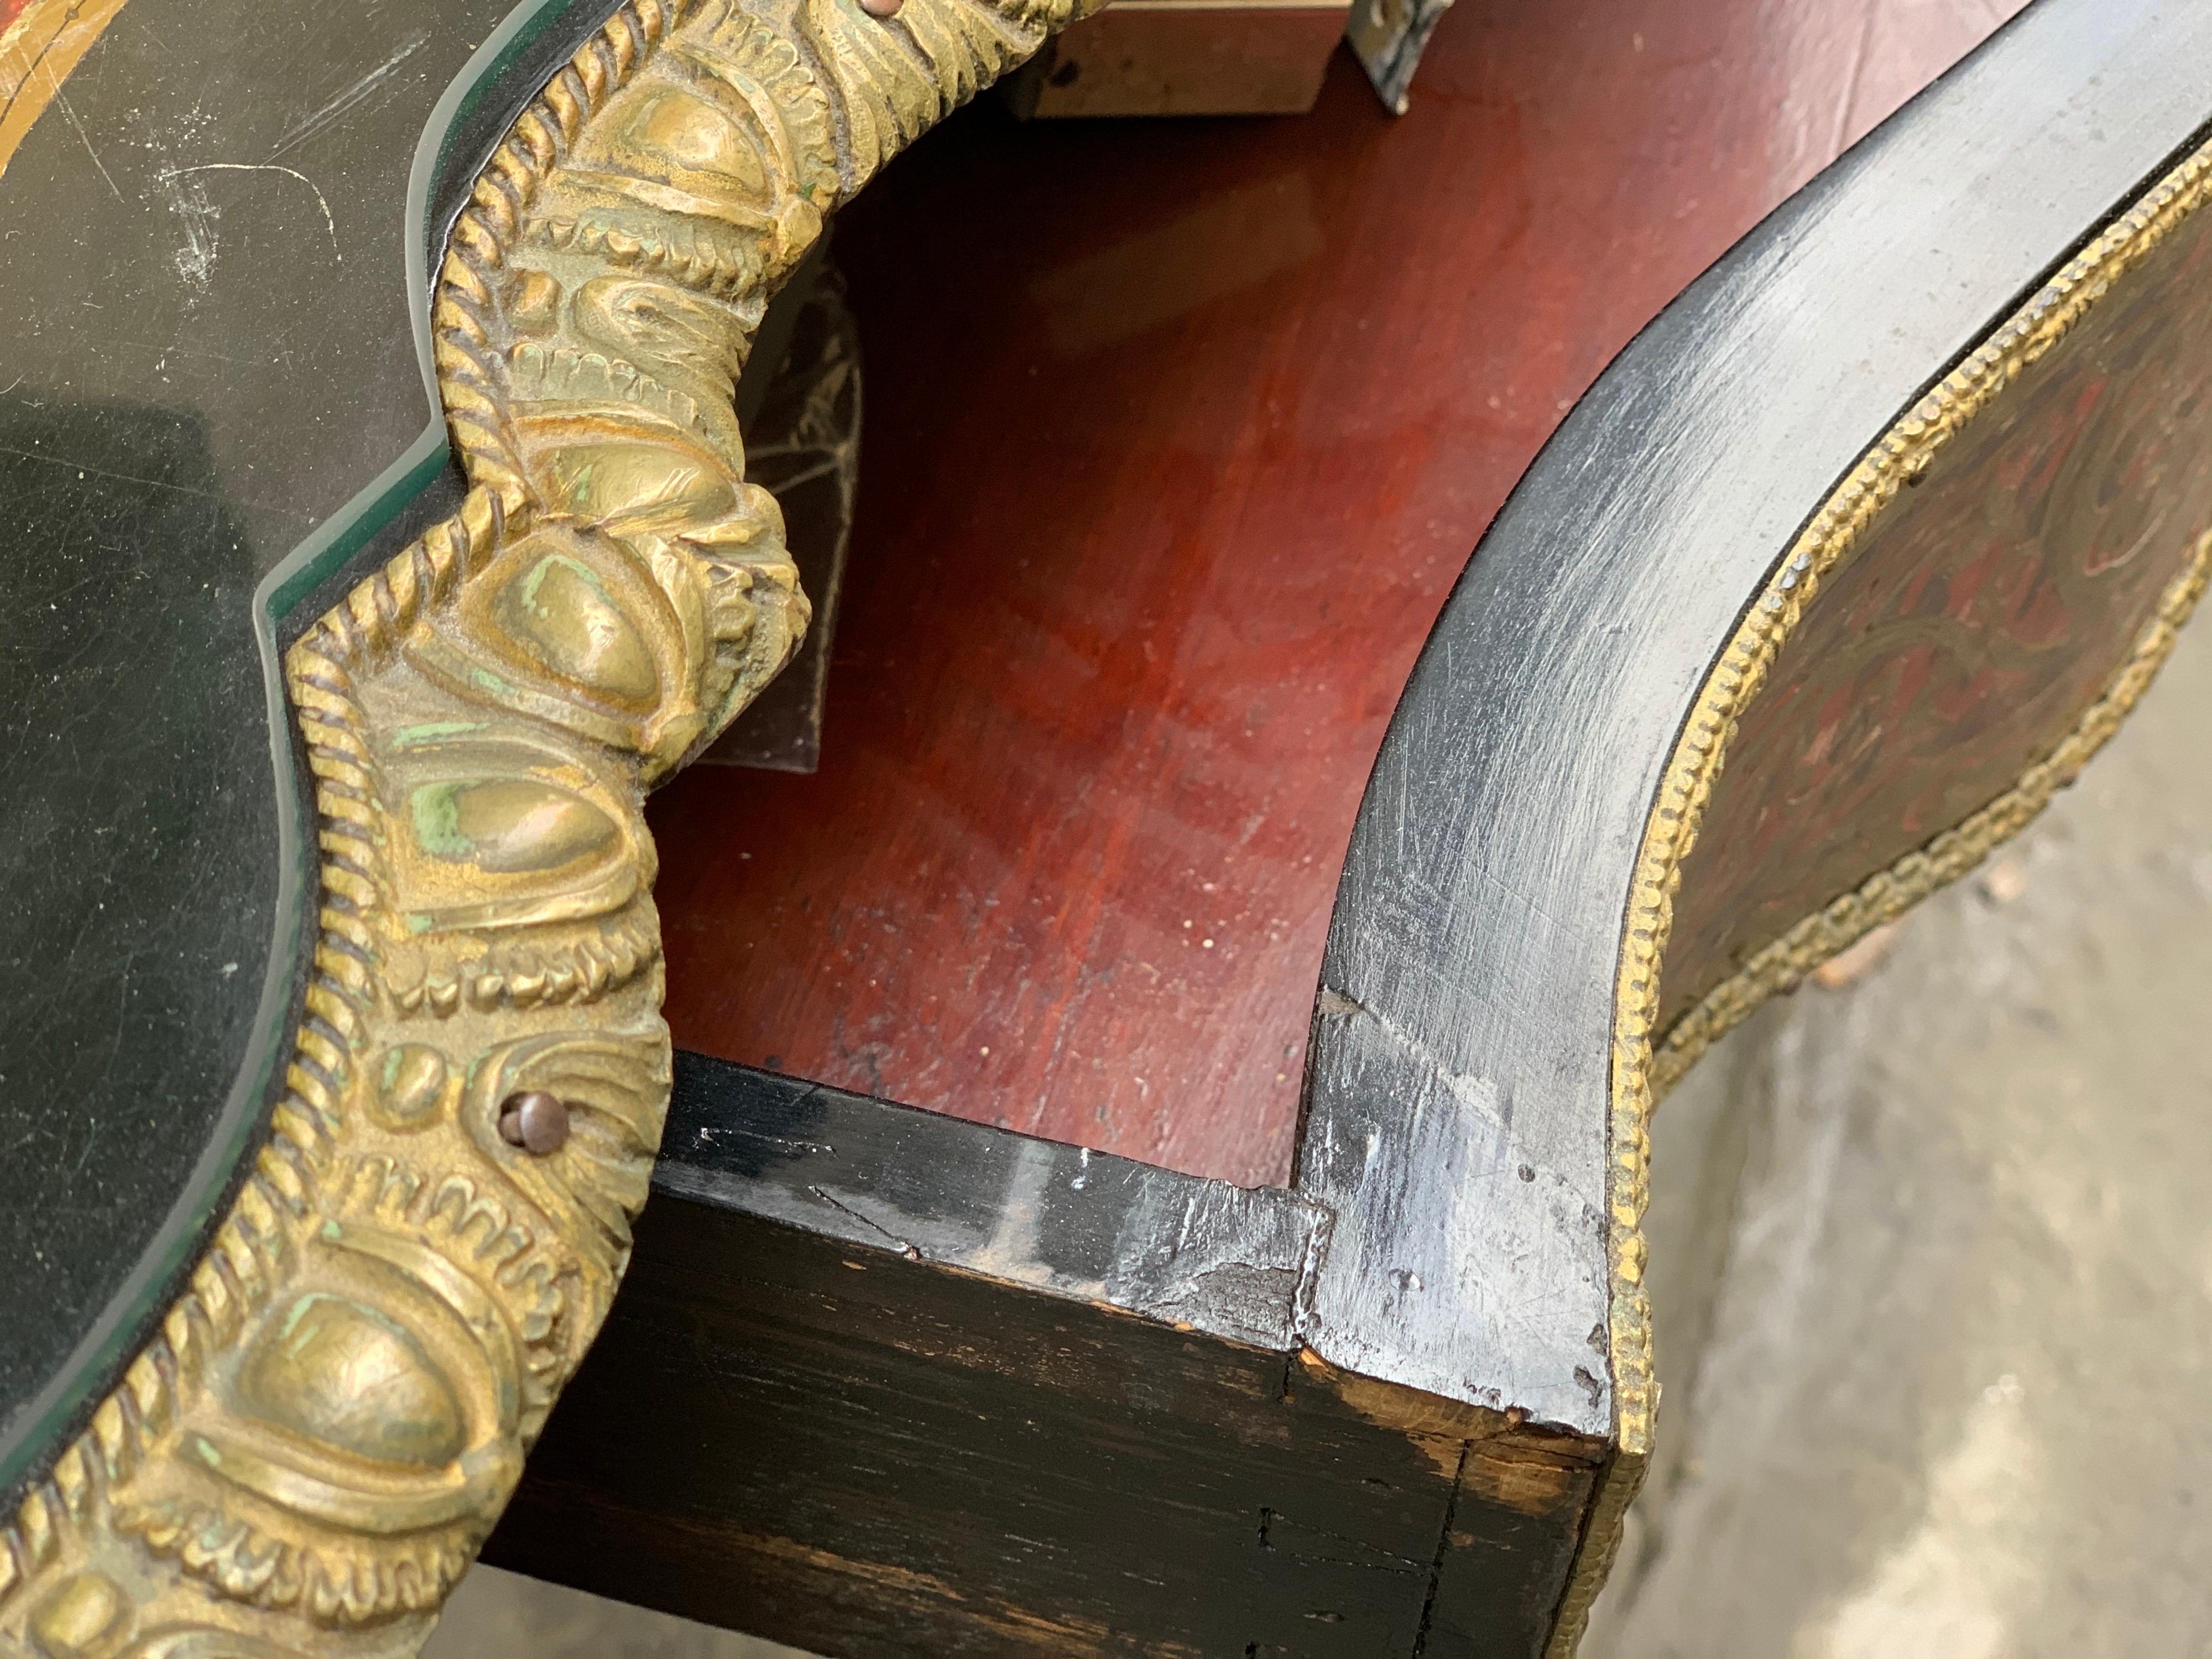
pixel 1183 57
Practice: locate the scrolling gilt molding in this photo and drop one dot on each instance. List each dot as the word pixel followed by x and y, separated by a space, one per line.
pixel 304 1458
pixel 1647 1062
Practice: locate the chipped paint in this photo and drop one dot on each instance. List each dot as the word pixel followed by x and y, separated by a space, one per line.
pixel 1500 1456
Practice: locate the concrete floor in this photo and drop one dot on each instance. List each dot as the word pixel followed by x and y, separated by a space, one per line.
pixel 1932 1260
pixel 502 1615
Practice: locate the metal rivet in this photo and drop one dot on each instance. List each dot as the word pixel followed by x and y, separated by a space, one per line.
pixel 534 1121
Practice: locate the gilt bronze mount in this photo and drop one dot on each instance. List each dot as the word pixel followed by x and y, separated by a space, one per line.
pixel 307 1456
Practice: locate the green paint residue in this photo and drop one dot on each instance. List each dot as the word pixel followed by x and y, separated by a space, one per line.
pixel 408 736
pixel 318 559
pixel 436 810
pixel 293 1339
pixel 544 568
pixel 490 682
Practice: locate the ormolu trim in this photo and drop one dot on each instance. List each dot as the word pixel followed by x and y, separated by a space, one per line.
pixel 1887 894
pixel 1688 782
pixel 306 1457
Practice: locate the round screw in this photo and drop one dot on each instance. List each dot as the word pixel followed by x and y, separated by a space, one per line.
pixel 534 1121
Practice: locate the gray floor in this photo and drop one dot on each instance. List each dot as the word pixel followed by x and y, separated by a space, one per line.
pixel 1932 1257
pixel 1934 1260
pixel 499 1615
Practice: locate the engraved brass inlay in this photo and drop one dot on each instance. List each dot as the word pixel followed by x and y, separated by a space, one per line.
pixel 306 1457
pixel 1834 535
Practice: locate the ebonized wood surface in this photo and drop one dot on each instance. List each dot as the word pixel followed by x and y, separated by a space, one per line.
pixel 922 1387
pixel 209 371
pixel 1452 1164
pixel 1160 495
pixel 1465 1031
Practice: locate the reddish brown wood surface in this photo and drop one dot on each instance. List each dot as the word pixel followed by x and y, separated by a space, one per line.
pixel 1176 435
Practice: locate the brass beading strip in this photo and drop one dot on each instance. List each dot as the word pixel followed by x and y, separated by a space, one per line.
pixel 1640 1077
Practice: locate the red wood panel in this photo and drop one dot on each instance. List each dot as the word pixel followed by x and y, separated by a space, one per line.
pixel 1177 434
pixel 1975 619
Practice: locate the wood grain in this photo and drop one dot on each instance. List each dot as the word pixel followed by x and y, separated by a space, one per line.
pixel 924 1388
pixel 1475 1118
pixel 1178 434
pixel 893 1416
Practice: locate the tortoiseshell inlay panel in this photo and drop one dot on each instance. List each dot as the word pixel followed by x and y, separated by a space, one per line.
pixel 1990 604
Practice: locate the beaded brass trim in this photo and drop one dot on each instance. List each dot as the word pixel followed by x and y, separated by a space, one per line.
pixel 1888 894
pixel 306 1457
pixel 1639 1076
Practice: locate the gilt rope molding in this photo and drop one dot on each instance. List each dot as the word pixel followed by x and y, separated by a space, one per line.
pixel 305 1459
pixel 1646 1062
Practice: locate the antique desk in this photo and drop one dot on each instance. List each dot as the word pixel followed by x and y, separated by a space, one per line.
pixel 1094 1212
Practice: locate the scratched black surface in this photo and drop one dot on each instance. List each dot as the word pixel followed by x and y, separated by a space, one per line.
pixel 983 1378
pixel 879 1435
pixel 1459 1081
pixel 204 353
pixel 922 1387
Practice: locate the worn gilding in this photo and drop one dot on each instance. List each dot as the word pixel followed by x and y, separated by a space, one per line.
pixel 307 1456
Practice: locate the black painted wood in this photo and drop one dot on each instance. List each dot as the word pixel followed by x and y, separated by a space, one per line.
pixel 884 1382
pixel 947 1446
pixel 216 412
pixel 1464 1030
pixel 921 1387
